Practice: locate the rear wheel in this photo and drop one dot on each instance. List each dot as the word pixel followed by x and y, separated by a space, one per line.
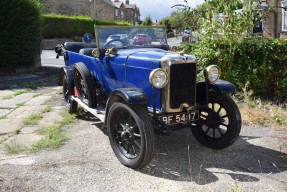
pixel 131 134
pixel 71 105
pixel 220 124
pixel 85 84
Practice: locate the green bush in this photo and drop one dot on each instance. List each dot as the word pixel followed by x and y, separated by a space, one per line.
pixel 20 24
pixel 263 63
pixel 58 26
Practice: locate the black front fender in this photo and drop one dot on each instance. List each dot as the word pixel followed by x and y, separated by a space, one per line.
pixel 221 86
pixel 132 96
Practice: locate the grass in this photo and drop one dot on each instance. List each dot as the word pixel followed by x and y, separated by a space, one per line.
pixel 33 119
pixel 34 85
pixel 17 93
pixel 14 148
pixel 20 105
pixel 54 135
pixel 37 95
pixel 238 187
pixel 48 101
pixel 47 109
pixel 265 113
pixel 17 131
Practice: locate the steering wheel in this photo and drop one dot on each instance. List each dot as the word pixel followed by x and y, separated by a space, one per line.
pixel 115 42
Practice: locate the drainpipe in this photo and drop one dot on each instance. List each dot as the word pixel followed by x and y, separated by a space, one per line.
pixel 276 19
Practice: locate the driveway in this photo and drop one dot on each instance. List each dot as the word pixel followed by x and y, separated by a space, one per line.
pixel 86 163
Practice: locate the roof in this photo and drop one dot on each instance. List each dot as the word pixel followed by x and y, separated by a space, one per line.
pixel 117 3
pixel 109 2
pixel 128 6
pixel 134 6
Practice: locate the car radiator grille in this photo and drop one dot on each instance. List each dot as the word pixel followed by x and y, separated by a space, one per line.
pixel 182 84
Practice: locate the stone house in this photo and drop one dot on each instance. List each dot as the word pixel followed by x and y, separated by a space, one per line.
pixel 274 24
pixel 105 10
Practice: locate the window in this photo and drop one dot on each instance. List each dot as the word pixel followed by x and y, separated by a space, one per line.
pixel 284 20
pixel 117 12
pixel 123 14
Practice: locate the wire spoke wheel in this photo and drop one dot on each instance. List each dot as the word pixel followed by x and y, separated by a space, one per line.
pixel 131 134
pixel 85 84
pixel 82 89
pixel 220 123
pixel 127 135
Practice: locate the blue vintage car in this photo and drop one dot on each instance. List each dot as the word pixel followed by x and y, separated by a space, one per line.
pixel 138 90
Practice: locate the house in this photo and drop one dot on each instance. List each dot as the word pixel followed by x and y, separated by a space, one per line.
pixel 274 24
pixel 116 10
pixel 105 10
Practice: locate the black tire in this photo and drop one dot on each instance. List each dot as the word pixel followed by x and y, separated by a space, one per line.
pixel 71 105
pixel 131 134
pixel 219 135
pixel 85 85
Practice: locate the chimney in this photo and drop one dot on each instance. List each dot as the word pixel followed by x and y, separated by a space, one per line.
pixel 127 2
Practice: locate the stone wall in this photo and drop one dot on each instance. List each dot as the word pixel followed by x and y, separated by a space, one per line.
pixel 104 11
pixel 68 7
pixel 273 20
pixel 99 9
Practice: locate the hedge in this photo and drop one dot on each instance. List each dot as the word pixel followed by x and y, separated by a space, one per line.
pixel 262 63
pixel 58 26
pixel 20 22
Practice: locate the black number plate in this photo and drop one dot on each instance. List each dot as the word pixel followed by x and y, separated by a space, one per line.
pixel 180 117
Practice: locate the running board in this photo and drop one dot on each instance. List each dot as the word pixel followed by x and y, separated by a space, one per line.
pixel 98 112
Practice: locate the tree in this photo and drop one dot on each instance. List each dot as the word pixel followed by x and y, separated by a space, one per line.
pixel 165 22
pixel 147 21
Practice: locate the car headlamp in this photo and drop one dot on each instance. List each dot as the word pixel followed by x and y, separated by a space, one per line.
pixel 158 78
pixel 212 73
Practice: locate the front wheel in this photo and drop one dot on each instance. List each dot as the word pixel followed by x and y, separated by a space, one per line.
pixel 220 123
pixel 131 134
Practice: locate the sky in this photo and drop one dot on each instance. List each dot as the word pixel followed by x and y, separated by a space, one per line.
pixel 159 9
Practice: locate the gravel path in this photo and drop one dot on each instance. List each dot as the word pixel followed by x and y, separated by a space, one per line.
pixel 86 163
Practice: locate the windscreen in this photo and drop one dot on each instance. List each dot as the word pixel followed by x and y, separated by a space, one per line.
pixel 108 37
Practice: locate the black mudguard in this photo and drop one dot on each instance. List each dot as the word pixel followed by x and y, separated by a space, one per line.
pixel 220 86
pixel 68 71
pixel 132 96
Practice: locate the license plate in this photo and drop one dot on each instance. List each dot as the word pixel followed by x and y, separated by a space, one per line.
pixel 180 117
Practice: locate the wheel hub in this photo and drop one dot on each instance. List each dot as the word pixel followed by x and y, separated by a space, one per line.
pixel 127 136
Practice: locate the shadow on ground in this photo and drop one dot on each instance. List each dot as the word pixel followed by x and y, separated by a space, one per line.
pixel 45 76
pixel 179 157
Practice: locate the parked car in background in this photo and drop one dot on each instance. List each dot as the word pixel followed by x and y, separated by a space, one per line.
pixel 122 37
pixel 141 39
pixel 187 31
pixel 139 90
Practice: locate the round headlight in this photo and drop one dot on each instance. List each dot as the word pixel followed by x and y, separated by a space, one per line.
pixel 158 78
pixel 212 73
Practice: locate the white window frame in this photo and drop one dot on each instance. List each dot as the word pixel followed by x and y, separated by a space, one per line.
pixel 284 20
pixel 117 12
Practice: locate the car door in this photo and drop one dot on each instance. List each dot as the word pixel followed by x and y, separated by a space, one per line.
pixel 113 72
